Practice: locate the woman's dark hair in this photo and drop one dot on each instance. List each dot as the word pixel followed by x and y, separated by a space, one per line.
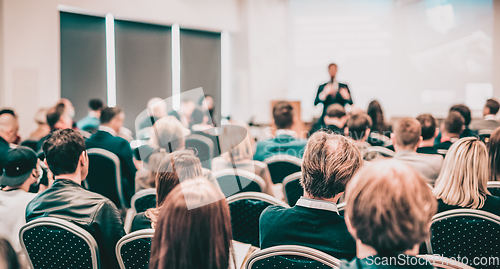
pixel 193 229
pixel 8 257
pixel 494 154
pixel 377 115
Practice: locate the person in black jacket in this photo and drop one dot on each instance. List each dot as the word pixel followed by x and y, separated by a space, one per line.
pixel 330 160
pixel 106 138
pixel 66 199
pixel 335 120
pixel 332 92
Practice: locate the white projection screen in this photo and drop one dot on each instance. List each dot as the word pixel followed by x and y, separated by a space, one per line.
pixel 413 56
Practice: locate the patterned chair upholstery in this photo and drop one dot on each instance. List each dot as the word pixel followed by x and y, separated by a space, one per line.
pixel 245 213
pixel 281 166
pixel 284 257
pixel 244 181
pixel 465 233
pixel 56 243
pixel 134 249
pixel 292 190
pixel 143 200
pixel 494 187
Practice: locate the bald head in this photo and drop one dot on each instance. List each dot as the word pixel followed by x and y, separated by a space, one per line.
pixel 9 127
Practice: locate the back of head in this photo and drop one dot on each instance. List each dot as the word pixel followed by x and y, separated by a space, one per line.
pixel 464 111
pixel 428 124
pixel 377 116
pixel 494 154
pixel 454 123
pixel 54 114
pixel 199 116
pixel 9 127
pixel 95 104
pixel 358 125
pixel 109 113
pixel 158 107
pixel 464 174
pixel 407 132
pixel 192 232
pixel 335 111
pixel 8 257
pixel 167 133
pixel 329 162
pixel 41 116
pixel 62 151
pixel 283 115
pixel 493 106
pixel 390 206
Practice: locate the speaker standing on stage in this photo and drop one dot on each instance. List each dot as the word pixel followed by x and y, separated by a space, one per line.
pixel 332 92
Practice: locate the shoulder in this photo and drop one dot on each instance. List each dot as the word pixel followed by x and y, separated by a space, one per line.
pixel 273 212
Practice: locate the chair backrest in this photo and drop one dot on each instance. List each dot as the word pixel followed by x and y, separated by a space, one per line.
pixel 494 187
pixel 56 243
pixel 465 233
pixel 282 165
pixel 105 175
pixel 287 256
pixel 204 146
pixel 341 208
pixel 143 200
pixel 292 190
pixel 245 213
pixel 233 181
pixel 443 262
pixel 134 249
pixel 379 151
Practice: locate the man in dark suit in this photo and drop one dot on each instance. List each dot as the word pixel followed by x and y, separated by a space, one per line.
pixel 335 120
pixel 489 122
pixel 106 138
pixel 286 141
pixel 332 92
pixel 330 161
pixel 9 126
pixel 451 129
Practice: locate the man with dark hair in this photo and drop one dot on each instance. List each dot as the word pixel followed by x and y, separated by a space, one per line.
pixel 335 120
pixel 91 122
pixel 285 141
pixel 451 129
pixel 107 138
pixel 489 122
pixel 68 161
pixel 330 161
pixel 358 128
pixel 406 138
pixel 59 118
pixel 429 133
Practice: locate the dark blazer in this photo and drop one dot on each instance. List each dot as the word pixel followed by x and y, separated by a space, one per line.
pixel 282 144
pixel 93 212
pixel 4 147
pixel 121 148
pixel 140 222
pixel 443 147
pixel 491 204
pixel 338 99
pixel 315 228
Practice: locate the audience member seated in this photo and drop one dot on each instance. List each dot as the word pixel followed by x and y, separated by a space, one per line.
pixel 9 126
pixel 145 178
pixel 19 173
pixel 388 211
pixel 43 129
pixel 185 113
pixel 463 180
pixel 489 122
pixel 406 138
pixel 358 128
pixel 429 133
pixel 330 161
pixel 466 113
pixel 494 155
pixel 381 130
pixel 241 157
pixel 67 158
pixel 8 257
pixel 157 109
pixel 177 167
pixel 106 138
pixel 193 231
pixel 335 120
pixel 201 121
pixel 91 122
pixel 285 141
pixel 451 130
pixel 208 102
pixel 58 117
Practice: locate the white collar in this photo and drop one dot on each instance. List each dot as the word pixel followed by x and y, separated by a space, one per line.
pixel 286 132
pixel 107 129
pixel 490 117
pixel 317 204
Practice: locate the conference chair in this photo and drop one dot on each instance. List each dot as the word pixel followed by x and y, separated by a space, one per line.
pixel 443 262
pixel 292 190
pixel 140 202
pixel 245 213
pixel 105 176
pixel 56 243
pixel 494 187
pixel 465 233
pixel 144 134
pixel 281 166
pixel 371 153
pixel 288 256
pixel 134 249
pixel 204 147
pixel 233 181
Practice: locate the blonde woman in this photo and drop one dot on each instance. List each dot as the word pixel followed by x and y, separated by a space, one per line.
pixel 463 178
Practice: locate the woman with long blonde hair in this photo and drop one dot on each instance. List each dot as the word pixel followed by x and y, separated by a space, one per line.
pixel 463 178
